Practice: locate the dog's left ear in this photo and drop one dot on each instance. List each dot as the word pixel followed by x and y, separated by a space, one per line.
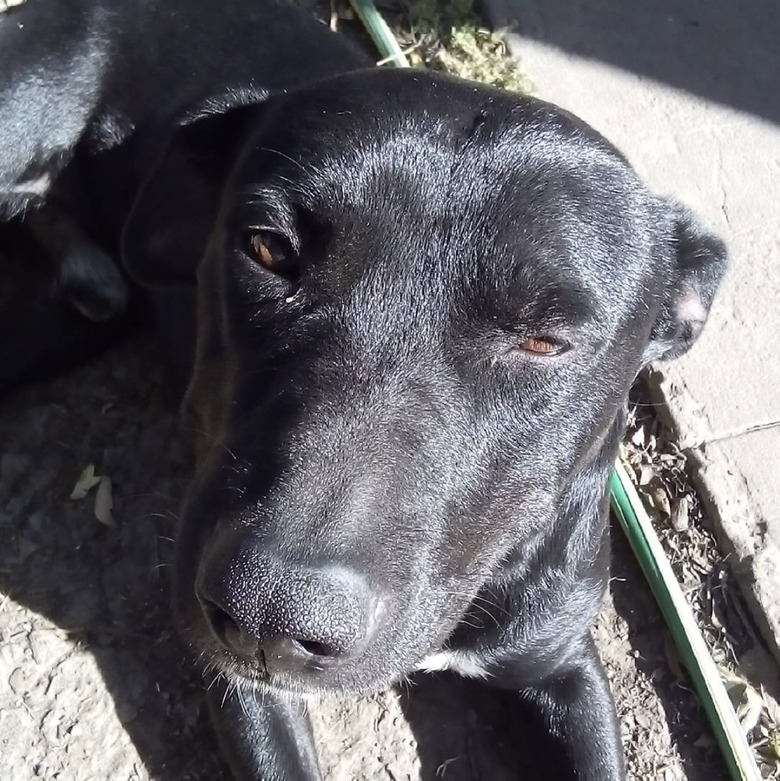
pixel 698 265
pixel 170 223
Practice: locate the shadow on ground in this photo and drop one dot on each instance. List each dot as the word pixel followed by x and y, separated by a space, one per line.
pixel 106 586
pixel 722 50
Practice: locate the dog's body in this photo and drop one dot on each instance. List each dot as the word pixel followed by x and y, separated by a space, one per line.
pixel 90 95
pixel 421 304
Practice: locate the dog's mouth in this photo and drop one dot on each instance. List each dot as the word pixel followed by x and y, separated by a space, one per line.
pixel 256 676
pixel 259 674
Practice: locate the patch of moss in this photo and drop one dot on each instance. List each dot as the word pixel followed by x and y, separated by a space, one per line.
pixel 450 35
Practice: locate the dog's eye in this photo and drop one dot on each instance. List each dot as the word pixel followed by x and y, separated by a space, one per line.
pixel 545 346
pixel 273 252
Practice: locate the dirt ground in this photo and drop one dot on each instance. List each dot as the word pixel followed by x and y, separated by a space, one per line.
pixel 94 684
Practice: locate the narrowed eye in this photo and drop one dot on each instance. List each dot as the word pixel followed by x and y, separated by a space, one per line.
pixel 273 252
pixel 544 346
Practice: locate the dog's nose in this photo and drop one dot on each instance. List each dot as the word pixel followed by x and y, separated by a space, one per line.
pixel 289 619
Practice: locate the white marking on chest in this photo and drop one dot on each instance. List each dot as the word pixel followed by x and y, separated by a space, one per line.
pixel 465 663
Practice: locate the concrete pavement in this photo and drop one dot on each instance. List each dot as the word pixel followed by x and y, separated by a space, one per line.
pixel 690 91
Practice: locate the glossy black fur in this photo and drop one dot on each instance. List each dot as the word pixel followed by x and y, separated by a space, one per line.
pixel 387 481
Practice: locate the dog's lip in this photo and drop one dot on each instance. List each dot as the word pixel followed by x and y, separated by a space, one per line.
pixel 333 680
pixel 260 669
pixel 299 687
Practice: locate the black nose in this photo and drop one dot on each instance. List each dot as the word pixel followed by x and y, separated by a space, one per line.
pixel 288 618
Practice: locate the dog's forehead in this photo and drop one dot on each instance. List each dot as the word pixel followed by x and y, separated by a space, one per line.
pixel 443 113
pixel 433 143
pixel 434 166
pixel 434 98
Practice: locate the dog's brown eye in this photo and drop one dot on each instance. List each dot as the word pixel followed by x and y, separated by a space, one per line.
pixel 543 345
pixel 272 252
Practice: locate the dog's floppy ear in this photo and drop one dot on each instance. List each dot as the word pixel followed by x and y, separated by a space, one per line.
pixel 698 265
pixel 172 218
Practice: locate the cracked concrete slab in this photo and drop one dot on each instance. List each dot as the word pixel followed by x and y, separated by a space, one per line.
pixel 689 92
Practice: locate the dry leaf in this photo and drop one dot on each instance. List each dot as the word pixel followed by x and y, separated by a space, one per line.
pixel 104 502
pixel 642 720
pixel 631 455
pixel 660 498
pixel 747 702
pixel 646 474
pixel 749 710
pixel 86 482
pixel 699 559
pixel 774 743
pixel 681 513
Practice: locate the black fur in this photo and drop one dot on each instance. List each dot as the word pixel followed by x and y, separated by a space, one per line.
pixel 389 478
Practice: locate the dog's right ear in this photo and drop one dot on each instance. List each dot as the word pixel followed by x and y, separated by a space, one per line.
pixel 170 223
pixel 698 264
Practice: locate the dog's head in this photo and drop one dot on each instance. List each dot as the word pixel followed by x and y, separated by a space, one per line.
pixel 421 305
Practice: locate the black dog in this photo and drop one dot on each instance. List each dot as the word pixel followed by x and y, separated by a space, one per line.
pixel 420 306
